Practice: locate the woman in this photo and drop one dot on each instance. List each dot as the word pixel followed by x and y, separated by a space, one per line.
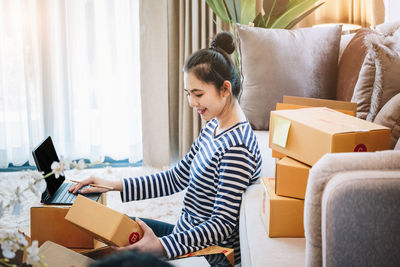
pixel 222 162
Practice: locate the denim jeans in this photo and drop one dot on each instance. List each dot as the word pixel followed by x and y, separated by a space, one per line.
pixel 159 228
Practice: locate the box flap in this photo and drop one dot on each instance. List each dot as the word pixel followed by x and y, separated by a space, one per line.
pixel 57 255
pixel 293 163
pixel 318 102
pixel 328 120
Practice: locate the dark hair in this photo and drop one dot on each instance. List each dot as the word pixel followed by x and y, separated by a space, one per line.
pixel 130 259
pixel 213 65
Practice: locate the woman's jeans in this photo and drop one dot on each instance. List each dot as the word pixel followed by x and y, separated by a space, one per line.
pixel 159 228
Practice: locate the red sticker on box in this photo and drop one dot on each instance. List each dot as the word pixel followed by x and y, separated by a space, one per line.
pixel 360 148
pixel 134 237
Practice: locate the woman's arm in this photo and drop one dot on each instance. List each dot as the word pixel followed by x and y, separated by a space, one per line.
pixel 160 184
pixel 237 167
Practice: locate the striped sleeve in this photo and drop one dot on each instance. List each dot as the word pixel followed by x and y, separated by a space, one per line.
pixel 160 184
pixel 236 168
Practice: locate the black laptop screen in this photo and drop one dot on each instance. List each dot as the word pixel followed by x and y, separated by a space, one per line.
pixel 44 155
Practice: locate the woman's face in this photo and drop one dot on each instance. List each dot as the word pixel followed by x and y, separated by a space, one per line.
pixel 205 97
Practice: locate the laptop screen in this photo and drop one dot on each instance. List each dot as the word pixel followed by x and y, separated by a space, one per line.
pixel 44 155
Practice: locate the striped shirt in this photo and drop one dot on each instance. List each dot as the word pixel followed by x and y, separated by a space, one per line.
pixel 216 172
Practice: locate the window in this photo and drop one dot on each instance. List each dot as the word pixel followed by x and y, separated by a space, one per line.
pixel 70 69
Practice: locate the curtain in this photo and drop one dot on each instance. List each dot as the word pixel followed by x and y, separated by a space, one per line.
pixel 70 69
pixel 361 12
pixel 176 29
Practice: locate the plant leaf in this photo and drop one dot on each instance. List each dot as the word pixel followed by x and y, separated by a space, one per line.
pixel 218 7
pixel 230 5
pixel 292 13
pixel 238 10
pixel 259 21
pixel 302 16
pixel 275 9
pixel 248 13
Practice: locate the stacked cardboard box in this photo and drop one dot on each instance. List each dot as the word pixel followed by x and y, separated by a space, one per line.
pixel 299 137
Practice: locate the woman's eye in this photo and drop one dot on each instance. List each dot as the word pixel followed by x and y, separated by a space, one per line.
pixel 199 95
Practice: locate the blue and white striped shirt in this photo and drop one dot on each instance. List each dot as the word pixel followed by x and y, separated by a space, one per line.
pixel 216 172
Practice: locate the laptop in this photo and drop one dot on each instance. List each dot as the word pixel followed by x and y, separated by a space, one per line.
pixel 56 192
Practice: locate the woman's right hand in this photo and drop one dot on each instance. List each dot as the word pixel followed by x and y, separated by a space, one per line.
pixel 93 180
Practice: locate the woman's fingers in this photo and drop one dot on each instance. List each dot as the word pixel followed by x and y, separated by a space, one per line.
pixel 93 189
pixel 74 188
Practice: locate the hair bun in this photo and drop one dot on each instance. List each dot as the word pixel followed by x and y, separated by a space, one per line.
pixel 224 41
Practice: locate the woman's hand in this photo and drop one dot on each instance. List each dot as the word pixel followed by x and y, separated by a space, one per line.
pixel 149 242
pixel 93 180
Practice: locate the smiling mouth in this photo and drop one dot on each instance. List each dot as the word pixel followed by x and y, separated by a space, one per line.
pixel 201 111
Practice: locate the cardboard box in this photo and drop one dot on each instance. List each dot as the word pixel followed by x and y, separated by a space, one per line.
pixel 105 224
pixel 57 255
pixel 296 102
pixel 48 223
pixel 228 252
pixel 291 178
pixel 282 216
pixel 307 134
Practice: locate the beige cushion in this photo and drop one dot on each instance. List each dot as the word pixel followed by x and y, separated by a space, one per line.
pixel 379 78
pixel 277 62
pixel 388 27
pixel 350 65
pixel 389 116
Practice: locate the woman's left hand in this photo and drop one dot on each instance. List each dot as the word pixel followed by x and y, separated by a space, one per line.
pixel 149 242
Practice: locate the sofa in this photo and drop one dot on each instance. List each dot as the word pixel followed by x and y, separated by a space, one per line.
pixel 339 231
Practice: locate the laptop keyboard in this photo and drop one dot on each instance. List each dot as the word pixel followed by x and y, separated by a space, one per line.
pixel 63 195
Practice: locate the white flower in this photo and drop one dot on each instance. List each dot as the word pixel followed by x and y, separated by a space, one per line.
pixel 80 165
pixel 41 186
pixel 8 249
pixel 33 253
pixel 21 240
pixel 58 168
pixel 251 24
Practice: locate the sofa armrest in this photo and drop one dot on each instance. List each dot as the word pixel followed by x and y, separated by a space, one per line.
pixel 323 171
pixel 361 219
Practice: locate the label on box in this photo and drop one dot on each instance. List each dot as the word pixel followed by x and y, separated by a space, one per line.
pixel 281 131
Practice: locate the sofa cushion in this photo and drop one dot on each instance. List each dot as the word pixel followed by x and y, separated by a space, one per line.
pixel 268 162
pixel 256 248
pixel 389 116
pixel 379 78
pixel 277 62
pixel 350 65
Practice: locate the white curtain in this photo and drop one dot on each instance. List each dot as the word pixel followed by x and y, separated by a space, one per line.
pixel 70 69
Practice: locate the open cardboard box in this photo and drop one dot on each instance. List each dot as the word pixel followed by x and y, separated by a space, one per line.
pixel 309 133
pixel 48 223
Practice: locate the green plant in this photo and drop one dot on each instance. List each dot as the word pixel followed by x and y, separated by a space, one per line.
pixel 281 14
